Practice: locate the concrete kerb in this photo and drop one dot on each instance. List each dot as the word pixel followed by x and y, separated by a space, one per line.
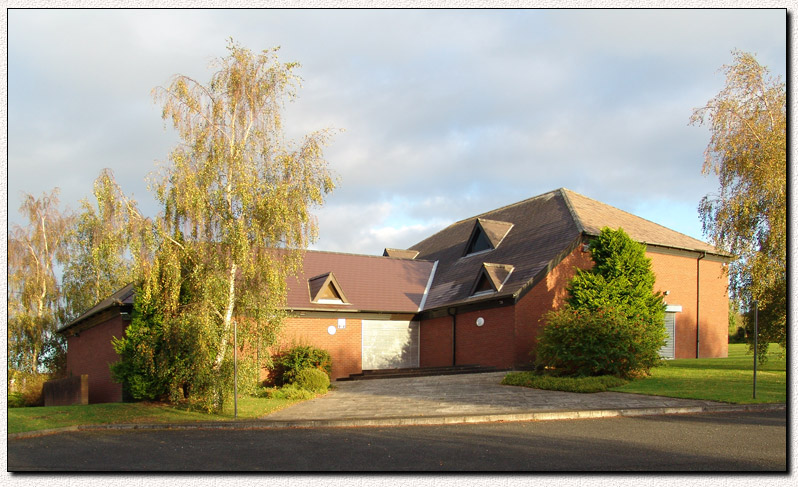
pixel 265 423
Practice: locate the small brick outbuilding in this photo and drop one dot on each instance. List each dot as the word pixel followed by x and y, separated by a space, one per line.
pixel 473 293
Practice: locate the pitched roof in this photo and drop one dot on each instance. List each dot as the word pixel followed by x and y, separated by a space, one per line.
pixel 538 232
pixel 370 283
pixel 120 298
pixel 542 228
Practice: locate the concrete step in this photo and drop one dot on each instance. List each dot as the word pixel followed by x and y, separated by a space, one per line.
pixel 420 372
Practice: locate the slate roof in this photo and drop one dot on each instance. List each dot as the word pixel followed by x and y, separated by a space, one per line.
pixel 540 231
pixel 370 283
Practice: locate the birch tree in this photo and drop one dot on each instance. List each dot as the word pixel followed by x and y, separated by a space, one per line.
pixel 237 200
pixel 747 217
pixel 100 260
pixel 34 294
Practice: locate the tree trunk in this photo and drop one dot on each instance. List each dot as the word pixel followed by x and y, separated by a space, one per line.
pixel 228 317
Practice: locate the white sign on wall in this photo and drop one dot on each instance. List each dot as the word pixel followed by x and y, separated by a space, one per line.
pixel 341 323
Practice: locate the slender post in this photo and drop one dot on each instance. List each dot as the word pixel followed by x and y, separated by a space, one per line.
pixel 235 369
pixel 756 334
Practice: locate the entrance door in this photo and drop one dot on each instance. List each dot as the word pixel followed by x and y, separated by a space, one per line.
pixel 390 344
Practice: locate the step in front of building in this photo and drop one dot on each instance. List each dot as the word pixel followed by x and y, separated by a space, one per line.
pixel 421 372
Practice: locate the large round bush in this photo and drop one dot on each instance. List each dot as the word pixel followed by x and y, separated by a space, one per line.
pixel 314 380
pixel 299 357
pixel 598 342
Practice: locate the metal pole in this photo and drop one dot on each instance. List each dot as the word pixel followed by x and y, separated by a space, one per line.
pixel 756 333
pixel 235 369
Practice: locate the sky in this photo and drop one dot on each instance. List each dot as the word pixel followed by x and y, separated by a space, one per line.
pixel 443 114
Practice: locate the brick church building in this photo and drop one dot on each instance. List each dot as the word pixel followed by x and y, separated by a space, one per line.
pixel 473 293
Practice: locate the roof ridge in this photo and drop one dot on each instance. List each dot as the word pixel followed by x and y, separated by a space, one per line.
pixel 503 208
pixel 574 215
pixel 481 215
pixel 350 254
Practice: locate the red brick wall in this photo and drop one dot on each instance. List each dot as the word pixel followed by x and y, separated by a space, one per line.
pixel 548 294
pixel 91 353
pixel 344 346
pixel 674 273
pixel 436 342
pixel 677 274
pixel 489 344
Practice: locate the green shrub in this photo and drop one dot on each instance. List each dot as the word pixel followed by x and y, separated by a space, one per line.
pixel 288 391
pixel 603 342
pixel 613 321
pixel 313 380
pixel 15 400
pixel 289 363
pixel 567 384
pixel 621 279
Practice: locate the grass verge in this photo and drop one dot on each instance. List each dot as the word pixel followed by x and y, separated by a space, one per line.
pixel 42 418
pixel 718 379
pixel 715 379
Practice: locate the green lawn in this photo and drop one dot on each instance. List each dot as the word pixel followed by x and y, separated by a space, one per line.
pixel 41 418
pixel 718 379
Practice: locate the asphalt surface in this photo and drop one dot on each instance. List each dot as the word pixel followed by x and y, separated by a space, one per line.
pixel 707 442
pixel 449 399
pixel 448 423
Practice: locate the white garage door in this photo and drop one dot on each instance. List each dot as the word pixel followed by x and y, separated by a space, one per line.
pixel 668 351
pixel 390 344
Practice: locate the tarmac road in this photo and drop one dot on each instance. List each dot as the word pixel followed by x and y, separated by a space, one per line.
pixel 741 441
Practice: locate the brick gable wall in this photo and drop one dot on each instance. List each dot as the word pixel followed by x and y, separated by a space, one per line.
pixel 92 353
pixel 677 274
pixel 550 293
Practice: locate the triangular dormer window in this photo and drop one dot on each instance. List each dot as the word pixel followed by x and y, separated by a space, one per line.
pixel 324 289
pixel 491 278
pixel 400 254
pixel 483 285
pixel 486 235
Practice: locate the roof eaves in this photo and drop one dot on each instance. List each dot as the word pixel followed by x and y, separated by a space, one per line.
pixel 473 301
pixel 718 253
pixel 117 299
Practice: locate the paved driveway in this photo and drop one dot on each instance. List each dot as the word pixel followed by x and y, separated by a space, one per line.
pixel 458 396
